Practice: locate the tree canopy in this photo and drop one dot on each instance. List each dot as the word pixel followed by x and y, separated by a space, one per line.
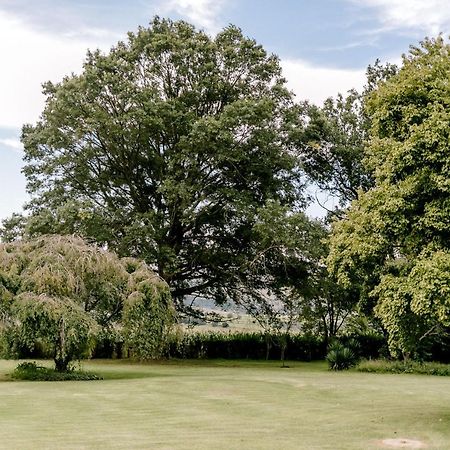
pixel 188 152
pixel 165 148
pixel 395 240
pixel 332 139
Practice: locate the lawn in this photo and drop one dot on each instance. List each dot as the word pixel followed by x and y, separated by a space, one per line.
pixel 223 405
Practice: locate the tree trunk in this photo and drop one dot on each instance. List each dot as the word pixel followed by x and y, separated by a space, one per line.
pixel 268 339
pixel 61 358
pixel 283 351
pixel 283 345
pixel 326 332
pixel 61 364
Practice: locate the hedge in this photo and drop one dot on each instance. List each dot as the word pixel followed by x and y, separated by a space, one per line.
pixel 244 346
pixel 233 345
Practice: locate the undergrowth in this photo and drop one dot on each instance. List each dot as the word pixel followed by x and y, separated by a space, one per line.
pixel 410 366
pixel 32 372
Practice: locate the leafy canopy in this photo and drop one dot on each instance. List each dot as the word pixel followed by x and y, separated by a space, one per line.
pixel 165 148
pixel 395 240
pixel 331 139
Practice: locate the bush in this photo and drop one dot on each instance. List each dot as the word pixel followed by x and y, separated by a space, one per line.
pixel 109 344
pixel 340 357
pixel 32 372
pixel 238 345
pixel 366 345
pixel 410 366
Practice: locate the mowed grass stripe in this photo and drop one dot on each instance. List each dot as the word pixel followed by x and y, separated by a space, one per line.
pixel 224 405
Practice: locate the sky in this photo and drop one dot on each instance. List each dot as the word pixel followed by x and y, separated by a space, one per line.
pixel 324 47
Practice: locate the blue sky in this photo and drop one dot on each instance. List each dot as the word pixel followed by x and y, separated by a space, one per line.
pixel 324 46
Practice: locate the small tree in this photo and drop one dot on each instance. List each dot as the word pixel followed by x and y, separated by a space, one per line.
pixel 277 283
pixel 331 139
pixel 60 291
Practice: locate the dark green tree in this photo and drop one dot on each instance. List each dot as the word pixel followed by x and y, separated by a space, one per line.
pixel 165 148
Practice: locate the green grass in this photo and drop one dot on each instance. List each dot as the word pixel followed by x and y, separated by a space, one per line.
pixel 223 405
pixel 423 368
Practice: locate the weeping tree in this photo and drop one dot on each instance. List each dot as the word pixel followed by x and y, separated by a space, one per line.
pixel 59 323
pixel 61 292
pixel 148 312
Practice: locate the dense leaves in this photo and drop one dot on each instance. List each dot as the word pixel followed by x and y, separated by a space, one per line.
pixel 395 239
pixel 148 315
pixel 165 149
pixel 340 357
pixel 60 292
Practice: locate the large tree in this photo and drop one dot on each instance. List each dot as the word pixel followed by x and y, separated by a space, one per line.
pixel 395 240
pixel 165 148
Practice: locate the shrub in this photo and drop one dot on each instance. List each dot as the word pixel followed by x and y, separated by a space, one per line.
pixel 365 345
pixel 237 345
pixel 340 357
pixel 32 372
pixel 410 366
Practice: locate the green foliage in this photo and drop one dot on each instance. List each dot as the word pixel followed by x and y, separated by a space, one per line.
pixel 59 293
pixel 148 317
pixel 332 146
pixel 394 242
pixel 109 343
pixel 244 346
pixel 409 366
pixel 286 285
pixel 165 148
pixel 332 139
pixel 13 227
pixel 340 357
pixel 369 346
pixel 63 326
pixel 30 371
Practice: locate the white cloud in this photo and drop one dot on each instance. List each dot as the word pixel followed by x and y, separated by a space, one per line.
pixel 203 13
pixel 318 83
pixel 15 144
pixel 430 16
pixel 29 58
